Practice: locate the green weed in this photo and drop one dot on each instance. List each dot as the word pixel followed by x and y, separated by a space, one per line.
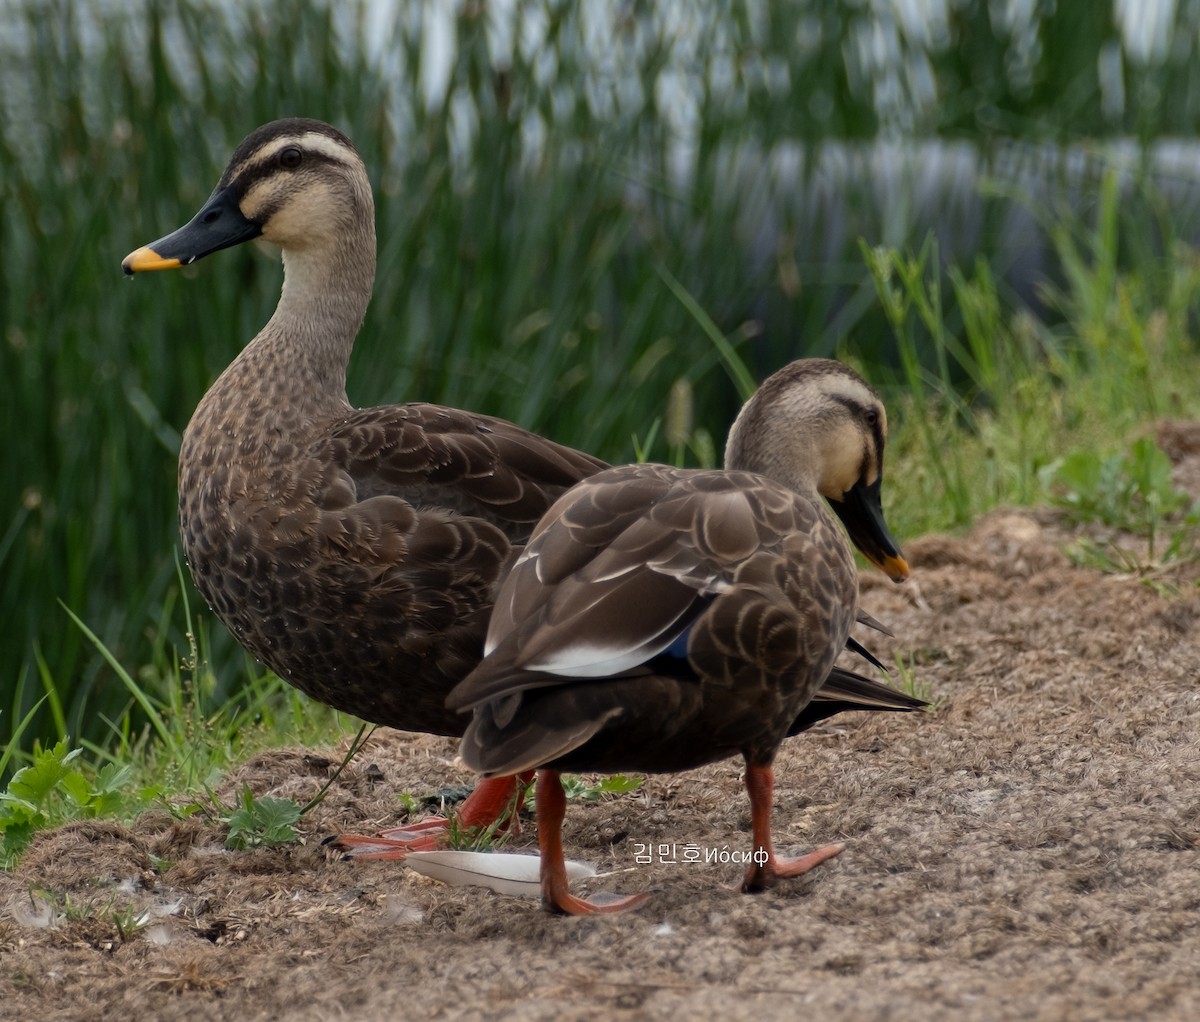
pixel 575 787
pixel 262 820
pixel 988 403
pixel 58 908
pixel 409 802
pixel 492 835
pixel 267 820
pixel 477 839
pixel 588 789
pixel 185 745
pixel 129 922
pixel 55 788
pixel 1131 491
pixel 910 683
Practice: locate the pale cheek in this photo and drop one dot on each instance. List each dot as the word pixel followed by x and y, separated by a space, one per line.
pixel 841 474
pixel 304 219
pixel 287 226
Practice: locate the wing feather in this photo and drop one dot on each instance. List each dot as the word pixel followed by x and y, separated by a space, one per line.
pixel 624 563
pixel 472 464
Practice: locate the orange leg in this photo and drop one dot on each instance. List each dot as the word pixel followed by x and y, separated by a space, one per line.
pixel 551 808
pixel 494 799
pixel 767 868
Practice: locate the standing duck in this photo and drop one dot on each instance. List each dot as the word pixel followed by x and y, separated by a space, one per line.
pixel 354 551
pixel 661 618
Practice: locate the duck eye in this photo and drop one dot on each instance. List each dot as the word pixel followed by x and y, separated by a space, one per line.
pixel 291 157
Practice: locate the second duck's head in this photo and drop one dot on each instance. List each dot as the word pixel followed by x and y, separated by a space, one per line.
pixel 298 183
pixel 817 424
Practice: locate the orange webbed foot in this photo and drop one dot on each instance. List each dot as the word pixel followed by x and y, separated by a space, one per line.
pixel 762 875
pixel 394 843
pixel 766 867
pixel 565 903
pixel 495 802
pixel 556 897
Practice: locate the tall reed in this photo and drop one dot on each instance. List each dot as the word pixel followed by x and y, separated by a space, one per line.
pixel 577 217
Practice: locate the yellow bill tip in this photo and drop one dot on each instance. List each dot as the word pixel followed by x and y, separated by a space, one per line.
pixel 896 568
pixel 146 258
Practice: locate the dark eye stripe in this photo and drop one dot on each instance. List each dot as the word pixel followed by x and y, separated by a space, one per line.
pixel 876 426
pixel 264 168
pixel 877 432
pixel 287 129
pixel 259 166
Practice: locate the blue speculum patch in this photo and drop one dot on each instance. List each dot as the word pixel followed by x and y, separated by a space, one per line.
pixel 678 647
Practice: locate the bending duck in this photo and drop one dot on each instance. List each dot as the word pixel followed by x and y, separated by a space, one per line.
pixel 355 552
pixel 663 618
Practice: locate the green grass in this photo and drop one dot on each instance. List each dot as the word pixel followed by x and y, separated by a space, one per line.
pixel 581 288
pixel 987 410
pixel 169 747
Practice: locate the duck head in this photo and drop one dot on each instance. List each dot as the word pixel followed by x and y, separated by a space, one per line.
pixel 816 424
pixel 296 182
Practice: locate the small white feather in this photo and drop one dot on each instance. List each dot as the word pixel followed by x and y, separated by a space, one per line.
pixel 504 872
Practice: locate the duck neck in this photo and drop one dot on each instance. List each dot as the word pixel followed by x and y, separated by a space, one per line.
pixel 292 376
pixel 322 305
pixel 782 455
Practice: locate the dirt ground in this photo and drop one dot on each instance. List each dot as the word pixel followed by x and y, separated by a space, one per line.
pixel 1028 850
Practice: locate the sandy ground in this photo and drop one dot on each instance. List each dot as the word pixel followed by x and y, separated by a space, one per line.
pixel 1028 850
